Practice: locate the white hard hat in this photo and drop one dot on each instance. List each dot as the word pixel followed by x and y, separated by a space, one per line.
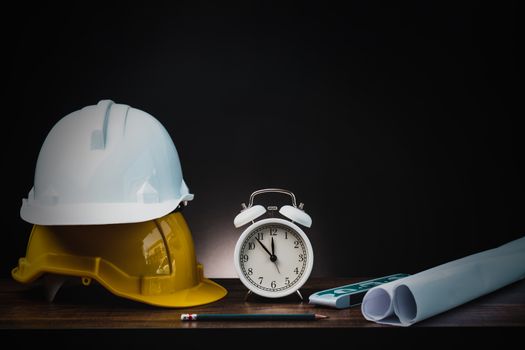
pixel 105 164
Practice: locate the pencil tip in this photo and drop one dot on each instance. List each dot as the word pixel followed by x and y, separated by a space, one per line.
pixel 320 316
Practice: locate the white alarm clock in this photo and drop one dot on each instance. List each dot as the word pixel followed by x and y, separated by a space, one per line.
pixel 273 256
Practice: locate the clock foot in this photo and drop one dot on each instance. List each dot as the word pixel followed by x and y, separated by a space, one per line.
pixel 299 294
pixel 247 295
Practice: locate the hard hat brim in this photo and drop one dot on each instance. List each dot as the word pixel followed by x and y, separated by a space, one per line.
pixel 98 213
pixel 205 292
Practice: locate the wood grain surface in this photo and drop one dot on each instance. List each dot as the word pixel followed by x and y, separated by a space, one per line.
pixel 78 307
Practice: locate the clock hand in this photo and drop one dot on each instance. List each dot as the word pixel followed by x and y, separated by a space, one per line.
pixel 274 257
pixel 262 245
pixel 277 267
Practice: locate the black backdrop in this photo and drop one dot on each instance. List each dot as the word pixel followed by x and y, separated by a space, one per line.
pixel 397 126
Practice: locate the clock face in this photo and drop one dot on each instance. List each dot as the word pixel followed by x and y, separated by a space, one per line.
pixel 273 257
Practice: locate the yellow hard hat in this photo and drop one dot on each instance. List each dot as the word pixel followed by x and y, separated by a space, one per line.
pixel 152 262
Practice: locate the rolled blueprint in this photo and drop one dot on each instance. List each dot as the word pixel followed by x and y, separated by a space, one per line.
pixel 428 293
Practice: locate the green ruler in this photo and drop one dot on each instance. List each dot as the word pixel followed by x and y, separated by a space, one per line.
pixel 351 294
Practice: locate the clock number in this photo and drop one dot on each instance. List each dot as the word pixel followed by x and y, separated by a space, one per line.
pixel 285 234
pixel 273 231
pixel 302 258
pixel 260 236
pixel 260 280
pixel 244 258
pixel 273 284
pixel 251 246
pixel 287 281
pixel 296 244
pixel 296 270
pixel 250 271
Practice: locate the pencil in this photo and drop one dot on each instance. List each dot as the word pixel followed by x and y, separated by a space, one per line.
pixel 251 317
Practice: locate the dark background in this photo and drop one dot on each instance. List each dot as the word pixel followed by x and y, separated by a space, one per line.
pixel 397 125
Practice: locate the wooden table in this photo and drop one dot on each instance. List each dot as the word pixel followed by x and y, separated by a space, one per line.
pixel 93 307
pixel 92 317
